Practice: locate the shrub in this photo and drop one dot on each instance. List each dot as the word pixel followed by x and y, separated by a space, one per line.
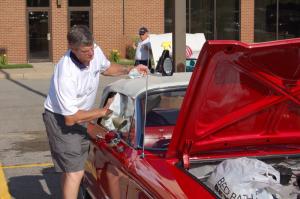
pixel 3 59
pixel 3 56
pixel 130 52
pixel 114 56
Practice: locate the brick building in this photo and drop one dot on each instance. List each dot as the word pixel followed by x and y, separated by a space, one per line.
pixel 35 30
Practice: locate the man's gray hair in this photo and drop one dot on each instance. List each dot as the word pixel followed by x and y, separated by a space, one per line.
pixel 80 35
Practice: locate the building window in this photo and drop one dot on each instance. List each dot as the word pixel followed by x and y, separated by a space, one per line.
pixel 79 3
pixel 227 19
pixel 37 3
pixel 79 13
pixel 216 19
pixel 79 17
pixel 265 13
pixel 201 17
pixel 276 19
pixel 168 15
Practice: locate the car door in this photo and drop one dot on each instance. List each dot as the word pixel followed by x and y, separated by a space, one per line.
pixel 108 166
pixel 109 159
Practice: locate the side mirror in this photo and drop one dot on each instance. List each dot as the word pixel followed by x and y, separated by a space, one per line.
pixel 119 122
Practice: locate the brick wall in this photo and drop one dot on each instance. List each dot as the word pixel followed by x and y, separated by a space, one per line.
pixel 144 13
pixel 107 24
pixel 59 28
pixel 13 30
pixel 108 17
pixel 247 21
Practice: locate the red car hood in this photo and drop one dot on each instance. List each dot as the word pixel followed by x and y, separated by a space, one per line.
pixel 241 97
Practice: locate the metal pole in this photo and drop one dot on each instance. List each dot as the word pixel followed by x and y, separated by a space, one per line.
pixel 178 34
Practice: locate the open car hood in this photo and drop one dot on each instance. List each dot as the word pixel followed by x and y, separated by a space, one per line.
pixel 241 96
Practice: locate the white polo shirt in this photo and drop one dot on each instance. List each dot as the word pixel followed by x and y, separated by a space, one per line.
pixel 74 87
pixel 143 50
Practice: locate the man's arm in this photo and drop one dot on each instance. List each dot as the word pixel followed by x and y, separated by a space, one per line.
pixel 117 69
pixel 86 116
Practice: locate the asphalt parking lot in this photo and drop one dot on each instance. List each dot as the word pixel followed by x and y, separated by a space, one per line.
pixel 25 162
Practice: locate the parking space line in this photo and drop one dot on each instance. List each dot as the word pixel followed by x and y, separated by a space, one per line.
pixel 4 193
pixel 27 166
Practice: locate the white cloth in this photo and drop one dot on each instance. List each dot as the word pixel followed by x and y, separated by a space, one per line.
pixel 72 88
pixel 143 50
pixel 122 108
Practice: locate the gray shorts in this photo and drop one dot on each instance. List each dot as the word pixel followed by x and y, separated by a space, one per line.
pixel 68 144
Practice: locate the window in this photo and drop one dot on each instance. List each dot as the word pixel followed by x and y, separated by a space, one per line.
pixel 168 15
pixel 121 119
pixel 79 3
pixel 202 18
pixel 216 19
pixel 227 19
pixel 265 20
pixel 79 13
pixel 276 19
pixel 161 115
pixel 37 3
pixel 289 19
pixel 79 17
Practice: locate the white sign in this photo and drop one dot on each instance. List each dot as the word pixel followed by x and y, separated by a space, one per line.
pixel 160 42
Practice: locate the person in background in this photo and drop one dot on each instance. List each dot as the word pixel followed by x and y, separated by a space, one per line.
pixel 143 49
pixel 69 103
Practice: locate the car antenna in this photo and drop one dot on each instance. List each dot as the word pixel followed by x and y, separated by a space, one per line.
pixel 145 116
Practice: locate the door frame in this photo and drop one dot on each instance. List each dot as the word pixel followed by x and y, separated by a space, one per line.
pixel 39 9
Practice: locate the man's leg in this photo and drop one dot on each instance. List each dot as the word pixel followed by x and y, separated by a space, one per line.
pixel 70 184
pixel 69 149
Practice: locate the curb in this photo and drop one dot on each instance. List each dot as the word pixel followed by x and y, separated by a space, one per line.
pixel 39 71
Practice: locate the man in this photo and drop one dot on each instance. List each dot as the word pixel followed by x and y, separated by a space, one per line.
pixel 69 105
pixel 143 48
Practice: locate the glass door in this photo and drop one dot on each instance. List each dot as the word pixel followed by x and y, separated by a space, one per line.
pixel 39 36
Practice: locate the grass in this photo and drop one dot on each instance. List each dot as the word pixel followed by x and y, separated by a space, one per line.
pixel 129 62
pixel 126 62
pixel 15 66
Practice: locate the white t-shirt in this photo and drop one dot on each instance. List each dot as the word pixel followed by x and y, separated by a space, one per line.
pixel 143 50
pixel 73 87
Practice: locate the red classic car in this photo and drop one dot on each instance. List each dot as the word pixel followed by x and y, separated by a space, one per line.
pixel 166 135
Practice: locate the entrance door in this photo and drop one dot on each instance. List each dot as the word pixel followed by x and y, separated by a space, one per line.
pixel 39 36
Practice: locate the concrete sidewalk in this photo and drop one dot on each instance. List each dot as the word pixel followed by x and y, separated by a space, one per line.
pixel 39 71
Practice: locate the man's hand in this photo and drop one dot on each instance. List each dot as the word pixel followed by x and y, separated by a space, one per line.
pixel 142 69
pixel 106 112
pixel 134 45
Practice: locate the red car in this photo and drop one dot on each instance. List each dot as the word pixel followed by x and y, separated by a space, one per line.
pixel 167 134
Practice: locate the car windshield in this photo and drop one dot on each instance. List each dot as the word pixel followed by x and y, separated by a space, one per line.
pixel 161 115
